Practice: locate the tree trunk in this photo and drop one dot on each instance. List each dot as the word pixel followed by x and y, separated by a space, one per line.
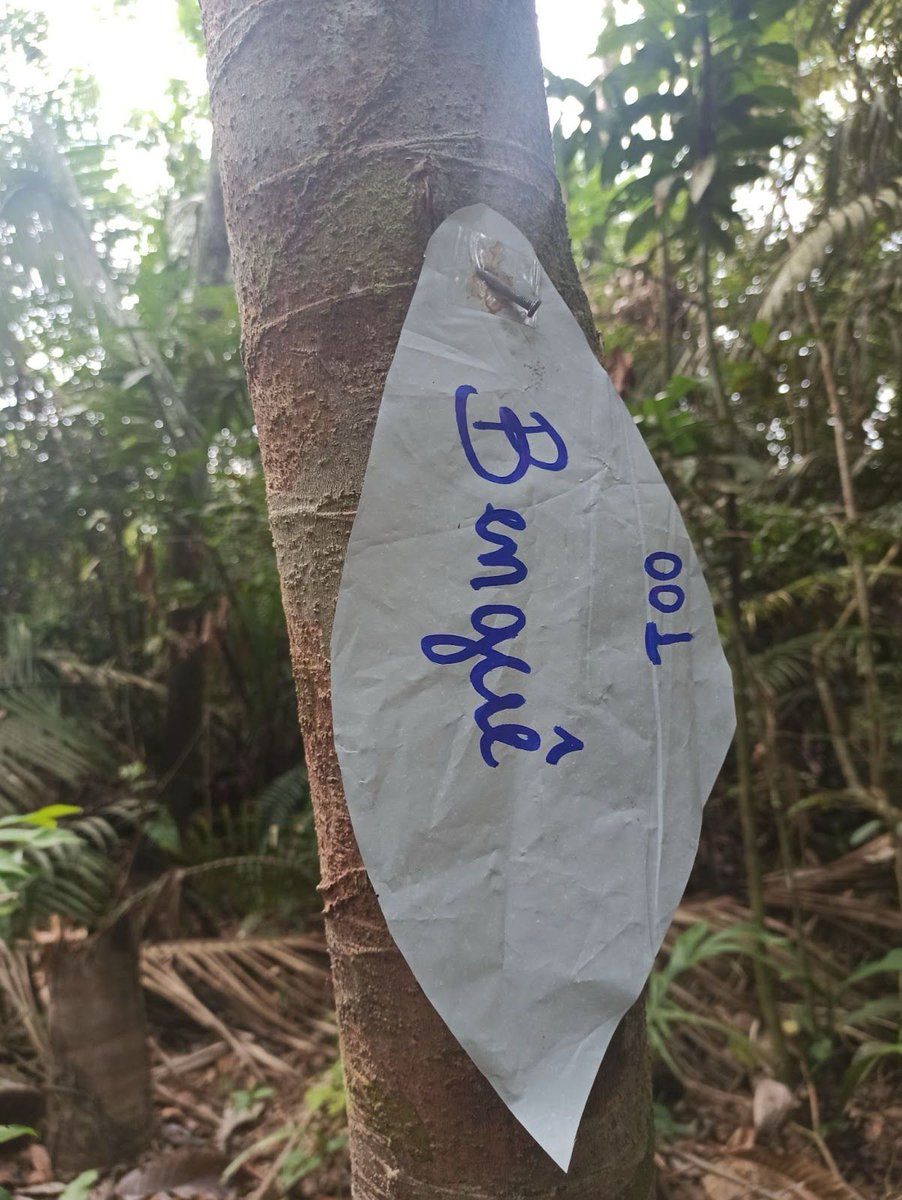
pixel 181 757
pixel 347 131
pixel 99 1107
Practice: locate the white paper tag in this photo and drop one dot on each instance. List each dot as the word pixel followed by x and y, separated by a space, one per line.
pixel 530 697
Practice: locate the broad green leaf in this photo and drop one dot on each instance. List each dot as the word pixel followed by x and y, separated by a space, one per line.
pixel 614 38
pixel 9 1133
pixel 866 1057
pixel 885 1006
pixel 772 95
pixel 759 332
pixel 162 829
pixel 610 161
pixel 655 105
pixel 890 962
pixel 640 228
pixel 781 52
pixel 80 1187
pixel 653 58
pixel 12 867
pixel 679 386
pixel 48 816
pixel 39 838
pixel 760 134
pixel 562 88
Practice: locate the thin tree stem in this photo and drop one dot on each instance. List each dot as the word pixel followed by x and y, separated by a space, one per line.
pixel 764 982
pixel 774 773
pixel 875 733
pixel 666 330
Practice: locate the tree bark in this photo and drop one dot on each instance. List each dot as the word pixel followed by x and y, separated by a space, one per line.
pixel 347 131
pixel 99 1108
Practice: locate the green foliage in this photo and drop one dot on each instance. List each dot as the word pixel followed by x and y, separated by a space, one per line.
pixel 245 1099
pixel 308 1142
pixel 732 187
pixel 266 845
pixel 665 1014
pixel 868 1056
pixel 691 102
pixel 284 815
pixel 320 1133
pixel 891 962
pixel 328 1095
pixel 132 504
pixel 80 1187
pixel 836 228
pixel 189 23
pixel 666 1128
pixel 35 737
pixel 22 839
pixel 50 756
pixel 9 1133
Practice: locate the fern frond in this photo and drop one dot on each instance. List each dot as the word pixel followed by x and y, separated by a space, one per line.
pixel 787 665
pixel 282 803
pixel 284 799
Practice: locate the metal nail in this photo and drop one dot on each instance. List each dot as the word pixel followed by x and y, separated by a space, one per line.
pixel 500 288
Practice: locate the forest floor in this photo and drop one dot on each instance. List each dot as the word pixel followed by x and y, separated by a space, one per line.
pixel 250 1098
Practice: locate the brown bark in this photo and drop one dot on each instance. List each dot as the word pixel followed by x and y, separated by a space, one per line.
pixel 347 131
pixel 99 1105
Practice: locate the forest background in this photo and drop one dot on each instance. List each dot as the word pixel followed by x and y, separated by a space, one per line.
pixel 733 179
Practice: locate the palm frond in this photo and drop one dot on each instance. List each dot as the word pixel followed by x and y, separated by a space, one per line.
pixel 278 986
pixel 18 989
pixel 813 250
pixel 76 877
pixel 47 755
pixel 41 748
pixel 786 665
pixel 807 590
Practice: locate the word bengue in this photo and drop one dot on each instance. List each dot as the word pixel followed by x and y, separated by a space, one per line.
pixel 495 624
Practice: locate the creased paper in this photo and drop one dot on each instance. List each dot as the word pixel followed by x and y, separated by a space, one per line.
pixel 530 698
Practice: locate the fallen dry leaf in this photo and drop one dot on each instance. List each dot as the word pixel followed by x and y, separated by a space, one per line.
pixel 771 1105
pixel 41 1167
pixel 189 1174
